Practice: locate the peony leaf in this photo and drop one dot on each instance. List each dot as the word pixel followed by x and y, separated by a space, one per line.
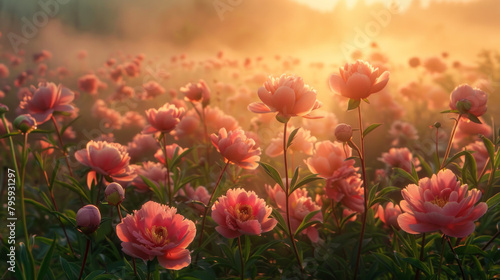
pixel 353 104
pixel 291 137
pixel 294 178
pixel 44 267
pixel 153 187
pixel 370 128
pixel 281 222
pixel 406 175
pixel 308 179
pixel 473 118
pixel 273 173
pixel 489 147
pixel 493 201
pixel 306 222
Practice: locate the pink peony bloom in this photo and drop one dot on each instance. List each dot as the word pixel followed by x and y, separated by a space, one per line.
pixel 196 92
pixel 132 118
pixel 400 157
pixel 402 132
pixel 158 231
pixel 152 89
pixel 154 171
pixel 480 155
pixel 142 145
pixel 108 159
pixel 440 203
pixel 329 160
pixel 434 65
pixel 414 62
pixel 89 83
pixel 47 100
pixel 346 190
pixel 321 128
pixel 242 212
pixel 165 119
pixel 474 97
pixel 358 80
pixel 170 149
pixel 237 148
pixel 4 71
pixel 302 143
pixel 41 56
pixel 300 204
pixel 288 96
pixel 389 214
pixel 468 131
pixel 200 194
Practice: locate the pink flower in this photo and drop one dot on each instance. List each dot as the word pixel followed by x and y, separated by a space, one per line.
pixel 299 204
pixel 358 80
pixel 302 143
pixel 47 100
pixel 108 159
pixel 414 62
pixel 468 131
pixel 88 219
pixel 152 89
pixel 41 56
pixel 154 171
pixel 402 132
pixel 440 203
pixel 288 96
pixel 196 92
pixel 132 118
pixel 401 158
pixel 89 83
pixel 158 231
pixel 200 194
pixel 321 128
pixel 329 160
pixel 165 119
pixel 475 98
pixel 237 148
pixel 114 194
pixel 242 212
pixel 170 149
pixel 4 71
pixel 480 155
pixel 343 132
pixel 346 190
pixel 434 65
pixel 389 214
pixel 142 145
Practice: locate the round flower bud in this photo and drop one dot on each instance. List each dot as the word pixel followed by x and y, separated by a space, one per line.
pixel 25 123
pixel 114 194
pixel 3 109
pixel 88 219
pixel 437 124
pixel 343 132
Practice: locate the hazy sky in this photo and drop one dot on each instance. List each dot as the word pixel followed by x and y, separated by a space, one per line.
pixel 325 5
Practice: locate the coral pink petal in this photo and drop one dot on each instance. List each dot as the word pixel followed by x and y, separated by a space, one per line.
pixel 259 108
pixel 459 230
pixel 175 259
pixel 251 227
pixel 227 233
pixel 337 84
pixel 358 86
pixel 284 100
pixel 405 221
pixel 381 82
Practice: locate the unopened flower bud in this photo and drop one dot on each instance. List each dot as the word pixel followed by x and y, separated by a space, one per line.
pixel 88 219
pixel 3 109
pixel 463 106
pixel 437 124
pixel 114 194
pixel 25 123
pixel 343 132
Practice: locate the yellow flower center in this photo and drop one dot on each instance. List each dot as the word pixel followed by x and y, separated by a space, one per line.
pixel 439 202
pixel 244 212
pixel 159 235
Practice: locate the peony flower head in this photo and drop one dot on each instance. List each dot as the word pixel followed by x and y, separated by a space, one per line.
pixel 242 212
pixel 88 219
pixel 114 194
pixel 25 123
pixel 196 92
pixel 165 119
pixel 154 171
pixel 288 96
pixel 440 203
pixel 329 160
pixel 389 214
pixel 401 158
pixel 108 159
pixel 46 100
pixel 343 132
pixel 237 148
pixel 358 80
pixel 156 230
pixel 467 99
pixel 303 142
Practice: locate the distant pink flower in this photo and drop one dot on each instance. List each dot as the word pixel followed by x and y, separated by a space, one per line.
pixel 402 132
pixel 288 96
pixel 329 160
pixel 165 119
pixel 41 56
pixel 158 231
pixel 217 119
pixel 300 204
pixel 152 89
pixel 434 65
pixel 109 117
pixel 346 190
pixel 133 119
pixel 46 100
pixel 475 97
pixel 199 194
pixel 154 171
pixel 236 148
pixel 321 128
pixel 242 212
pixel 468 131
pixel 123 92
pixel 389 214
pixel 170 149
pixel 107 159
pixel 4 71
pixel 131 69
pixel 401 158
pixel 303 142
pixel 358 80
pixel 198 92
pixel 89 83
pixel 116 74
pixel 414 62
pixel 440 203
pixel 142 145
pixel 480 155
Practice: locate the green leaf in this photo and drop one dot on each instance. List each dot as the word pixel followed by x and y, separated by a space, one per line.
pixel 44 267
pixel 63 129
pixel 366 100
pixel 493 201
pixel 469 249
pixel 418 264
pixel 306 222
pixel 425 165
pixel 37 204
pixel 177 158
pixel 306 180
pixel 295 177
pixel 372 192
pixel 473 118
pixel 41 131
pixel 449 111
pixel 291 137
pixel 70 269
pixel 405 174
pixel 10 134
pixel 489 147
pixel 28 267
pixel 353 104
pixel 456 156
pixel 281 221
pixel 74 188
pixel 273 173
pixel 470 162
pixel 370 128
pixel 153 187
pixel 387 190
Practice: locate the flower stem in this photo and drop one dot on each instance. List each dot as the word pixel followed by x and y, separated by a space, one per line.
pixel 11 144
pixel 417 274
pixel 169 190
pixel 119 212
pixel 287 203
pixel 84 259
pixel 491 240
pixel 241 259
pixel 365 191
pixel 62 146
pixel 135 269
pixel 442 256
pixel 437 147
pixel 456 258
pixel 207 207
pixel 450 142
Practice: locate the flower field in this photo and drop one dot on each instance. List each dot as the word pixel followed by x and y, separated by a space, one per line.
pixel 131 165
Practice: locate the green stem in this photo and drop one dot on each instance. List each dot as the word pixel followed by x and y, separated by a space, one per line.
pixel 62 146
pixel 11 144
pixel 456 258
pixel 365 191
pixel 84 259
pixel 241 259
pixel 169 190
pixel 287 203
pixel 450 142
